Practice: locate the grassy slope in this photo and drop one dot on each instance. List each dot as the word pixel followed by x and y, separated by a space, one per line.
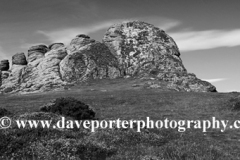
pixel 117 99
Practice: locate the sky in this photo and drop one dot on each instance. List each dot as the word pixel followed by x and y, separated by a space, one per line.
pixel 207 32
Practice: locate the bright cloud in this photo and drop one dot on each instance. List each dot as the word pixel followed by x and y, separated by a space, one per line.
pixel 215 80
pixel 187 40
pixel 67 34
pixel 199 40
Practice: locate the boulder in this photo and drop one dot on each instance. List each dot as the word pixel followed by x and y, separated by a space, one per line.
pixel 55 46
pixel 80 41
pixel 82 36
pixel 19 59
pixel 42 76
pixel 46 75
pixel 5 74
pixel 12 79
pixel 36 53
pixel 144 50
pixel 40 48
pixel 4 65
pixel 93 60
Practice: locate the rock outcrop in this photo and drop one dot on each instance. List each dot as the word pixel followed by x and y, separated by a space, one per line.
pixel 133 49
pixel 36 53
pixel 19 59
pixel 143 50
pixel 57 66
pixel 88 59
pixel 55 46
pixel 4 65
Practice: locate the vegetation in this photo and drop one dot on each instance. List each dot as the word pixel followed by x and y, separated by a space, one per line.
pixel 4 112
pixel 117 99
pixel 70 107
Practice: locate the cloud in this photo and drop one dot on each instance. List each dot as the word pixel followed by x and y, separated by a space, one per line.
pixel 214 80
pixel 67 34
pixel 167 24
pixel 232 90
pixel 209 39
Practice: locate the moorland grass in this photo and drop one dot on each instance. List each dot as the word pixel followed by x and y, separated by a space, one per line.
pixel 117 99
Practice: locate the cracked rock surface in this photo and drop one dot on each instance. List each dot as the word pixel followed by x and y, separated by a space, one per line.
pixel 144 50
pixel 57 66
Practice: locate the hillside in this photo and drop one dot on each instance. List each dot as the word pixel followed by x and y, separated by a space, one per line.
pixel 113 99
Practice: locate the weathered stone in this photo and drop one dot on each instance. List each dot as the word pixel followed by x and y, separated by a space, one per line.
pixel 12 79
pixel 36 53
pixel 55 46
pixel 19 59
pixel 91 61
pixel 82 36
pixel 5 74
pixel 40 48
pixel 143 50
pixel 36 78
pixel 80 41
pixel 131 49
pixel 4 65
pixel 46 75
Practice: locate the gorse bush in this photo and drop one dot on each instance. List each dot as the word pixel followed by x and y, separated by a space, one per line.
pixel 235 103
pixel 4 112
pixel 69 107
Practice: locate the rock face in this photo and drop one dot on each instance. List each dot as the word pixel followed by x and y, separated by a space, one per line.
pixel 57 66
pixel 4 65
pixel 88 59
pixel 36 53
pixel 19 59
pixel 133 49
pixel 55 46
pixel 81 40
pixel 147 51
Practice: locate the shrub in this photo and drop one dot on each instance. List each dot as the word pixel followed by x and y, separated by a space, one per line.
pixel 69 107
pixel 235 103
pixel 4 112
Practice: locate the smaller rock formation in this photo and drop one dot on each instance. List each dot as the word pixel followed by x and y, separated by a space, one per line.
pixel 88 58
pixel 55 46
pixel 36 53
pixel 19 59
pixel 82 36
pixel 4 65
pixel 80 41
